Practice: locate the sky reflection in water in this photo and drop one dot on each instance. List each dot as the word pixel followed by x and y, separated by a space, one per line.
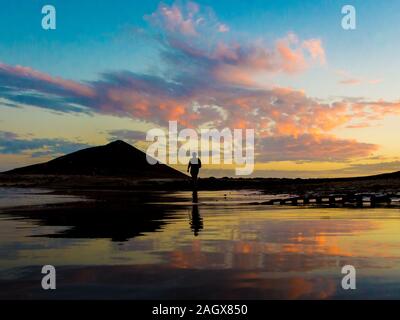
pixel 219 247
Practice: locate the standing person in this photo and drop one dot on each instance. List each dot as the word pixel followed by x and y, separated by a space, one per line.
pixel 194 167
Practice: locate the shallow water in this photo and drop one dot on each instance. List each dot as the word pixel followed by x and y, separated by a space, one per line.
pixel 15 197
pixel 220 247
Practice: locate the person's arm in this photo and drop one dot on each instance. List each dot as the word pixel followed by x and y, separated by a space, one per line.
pixel 199 163
pixel 188 166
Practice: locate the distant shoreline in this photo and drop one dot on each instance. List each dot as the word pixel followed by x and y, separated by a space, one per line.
pixel 389 183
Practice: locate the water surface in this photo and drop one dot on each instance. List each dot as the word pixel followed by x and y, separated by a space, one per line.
pixel 218 246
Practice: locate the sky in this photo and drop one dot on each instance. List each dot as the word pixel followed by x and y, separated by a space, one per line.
pixel 323 101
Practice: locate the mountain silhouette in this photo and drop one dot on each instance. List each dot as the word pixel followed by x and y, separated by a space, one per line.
pixel 117 158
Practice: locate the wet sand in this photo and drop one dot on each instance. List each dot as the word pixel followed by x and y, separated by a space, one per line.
pixel 163 245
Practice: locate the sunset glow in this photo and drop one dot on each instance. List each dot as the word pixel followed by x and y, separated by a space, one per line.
pixel 323 101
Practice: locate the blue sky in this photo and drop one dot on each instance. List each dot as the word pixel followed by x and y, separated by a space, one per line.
pixel 83 27
pixel 101 29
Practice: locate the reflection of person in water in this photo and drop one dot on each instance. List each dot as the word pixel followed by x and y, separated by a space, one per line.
pixel 196 221
pixel 194 167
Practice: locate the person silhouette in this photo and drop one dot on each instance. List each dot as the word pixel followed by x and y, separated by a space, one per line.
pixel 194 167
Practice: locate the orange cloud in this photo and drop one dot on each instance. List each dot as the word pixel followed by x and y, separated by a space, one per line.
pixel 311 148
pixel 348 79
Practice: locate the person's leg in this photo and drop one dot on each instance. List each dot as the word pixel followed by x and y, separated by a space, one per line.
pixel 194 179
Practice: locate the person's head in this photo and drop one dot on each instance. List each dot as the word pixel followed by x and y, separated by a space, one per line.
pixel 194 155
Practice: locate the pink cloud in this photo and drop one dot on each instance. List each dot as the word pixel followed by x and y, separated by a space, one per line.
pixel 315 49
pixel 194 34
pixel 186 20
pixel 351 81
pixel 174 20
pixel 29 73
pixel 241 63
pixel 375 81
